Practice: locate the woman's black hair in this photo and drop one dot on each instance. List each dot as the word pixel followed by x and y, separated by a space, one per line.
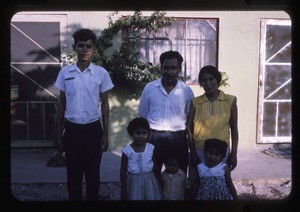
pixel 210 70
pixel 138 123
pixel 217 144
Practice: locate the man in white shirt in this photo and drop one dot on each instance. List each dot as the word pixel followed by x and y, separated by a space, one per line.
pixel 165 103
pixel 84 89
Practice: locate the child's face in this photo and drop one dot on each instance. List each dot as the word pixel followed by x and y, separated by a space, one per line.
pixel 172 166
pixel 140 136
pixel 213 157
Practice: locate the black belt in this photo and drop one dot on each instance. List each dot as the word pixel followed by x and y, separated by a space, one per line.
pixel 166 131
pixel 81 125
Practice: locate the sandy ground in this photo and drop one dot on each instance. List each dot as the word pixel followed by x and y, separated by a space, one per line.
pixel 111 191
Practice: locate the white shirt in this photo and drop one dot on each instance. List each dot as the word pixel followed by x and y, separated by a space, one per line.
pixel 82 91
pixel 165 111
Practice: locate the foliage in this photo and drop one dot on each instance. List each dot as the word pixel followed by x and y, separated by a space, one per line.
pixel 225 79
pixel 68 57
pixel 128 71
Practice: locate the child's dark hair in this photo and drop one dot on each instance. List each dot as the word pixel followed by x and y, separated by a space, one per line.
pixel 210 70
pixel 217 144
pixel 84 35
pixel 138 123
pixel 171 155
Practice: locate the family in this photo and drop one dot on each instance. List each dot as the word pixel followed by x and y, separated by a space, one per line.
pixel 183 147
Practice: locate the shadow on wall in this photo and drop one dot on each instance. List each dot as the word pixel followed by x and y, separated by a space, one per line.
pixel 122 110
pixel 36 83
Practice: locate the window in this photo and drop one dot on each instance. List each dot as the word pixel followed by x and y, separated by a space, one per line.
pixel 194 39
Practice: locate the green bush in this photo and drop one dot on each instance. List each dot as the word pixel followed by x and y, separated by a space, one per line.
pixel 128 72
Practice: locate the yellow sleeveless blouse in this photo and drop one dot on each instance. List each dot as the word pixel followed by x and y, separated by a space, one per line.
pixel 212 118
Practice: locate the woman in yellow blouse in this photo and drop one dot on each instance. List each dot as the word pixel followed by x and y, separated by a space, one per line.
pixel 212 115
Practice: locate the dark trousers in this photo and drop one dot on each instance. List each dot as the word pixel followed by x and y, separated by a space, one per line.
pixel 165 141
pixel 83 157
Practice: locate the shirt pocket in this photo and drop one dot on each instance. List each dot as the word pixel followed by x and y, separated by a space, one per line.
pixel 70 86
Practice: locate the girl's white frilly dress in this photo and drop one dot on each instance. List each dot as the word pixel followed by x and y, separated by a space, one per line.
pixel 141 182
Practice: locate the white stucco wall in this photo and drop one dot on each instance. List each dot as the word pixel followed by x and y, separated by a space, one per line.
pixel 238 56
pixel 239 33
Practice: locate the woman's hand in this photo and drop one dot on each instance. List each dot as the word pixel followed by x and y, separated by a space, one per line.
pixel 232 161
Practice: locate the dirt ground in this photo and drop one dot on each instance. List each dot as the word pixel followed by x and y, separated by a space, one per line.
pixel 111 191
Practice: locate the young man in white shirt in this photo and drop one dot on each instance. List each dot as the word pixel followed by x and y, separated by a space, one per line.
pixel 82 128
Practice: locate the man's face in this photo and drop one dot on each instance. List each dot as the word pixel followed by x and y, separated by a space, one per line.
pixel 170 70
pixel 84 50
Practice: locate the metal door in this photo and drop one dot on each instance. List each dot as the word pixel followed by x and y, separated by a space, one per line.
pixel 36 42
pixel 274 108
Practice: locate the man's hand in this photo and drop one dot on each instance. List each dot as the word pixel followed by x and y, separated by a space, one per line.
pixel 104 143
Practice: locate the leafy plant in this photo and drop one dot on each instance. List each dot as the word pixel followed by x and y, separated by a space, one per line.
pixel 225 78
pixel 128 71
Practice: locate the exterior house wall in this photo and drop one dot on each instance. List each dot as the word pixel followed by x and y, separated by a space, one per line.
pixel 238 56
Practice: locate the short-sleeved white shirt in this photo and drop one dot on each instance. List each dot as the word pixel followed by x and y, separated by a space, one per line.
pixel 83 91
pixel 165 111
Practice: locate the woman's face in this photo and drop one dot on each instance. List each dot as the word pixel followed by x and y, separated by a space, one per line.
pixel 209 83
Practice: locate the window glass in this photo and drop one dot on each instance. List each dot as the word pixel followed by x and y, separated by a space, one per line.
pixel 194 39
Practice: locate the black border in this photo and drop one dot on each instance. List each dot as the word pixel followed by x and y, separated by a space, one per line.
pixel 10 7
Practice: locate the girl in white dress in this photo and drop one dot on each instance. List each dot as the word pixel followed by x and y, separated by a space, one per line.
pixel 214 174
pixel 138 174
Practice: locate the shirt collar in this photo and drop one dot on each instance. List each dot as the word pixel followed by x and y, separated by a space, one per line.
pixel 90 68
pixel 222 97
pixel 158 83
pixel 180 173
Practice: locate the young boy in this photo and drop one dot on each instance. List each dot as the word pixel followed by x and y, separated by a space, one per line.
pixel 174 182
